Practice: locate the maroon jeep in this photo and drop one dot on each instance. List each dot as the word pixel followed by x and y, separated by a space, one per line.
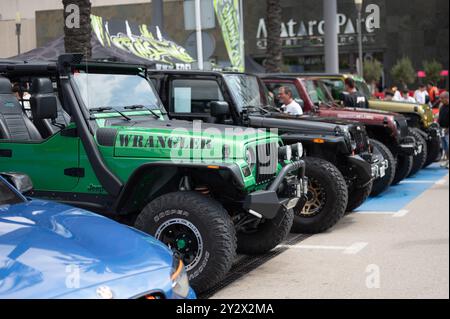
pixel 388 131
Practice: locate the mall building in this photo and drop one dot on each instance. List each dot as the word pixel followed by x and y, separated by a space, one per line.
pixel 414 28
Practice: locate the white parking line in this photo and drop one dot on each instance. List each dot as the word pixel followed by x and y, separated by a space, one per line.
pixel 418 182
pixel 348 250
pixel 400 213
pixel 375 213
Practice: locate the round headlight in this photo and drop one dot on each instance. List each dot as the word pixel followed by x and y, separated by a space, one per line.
pixel 250 157
pixel 299 150
pixel 288 153
pixel 285 153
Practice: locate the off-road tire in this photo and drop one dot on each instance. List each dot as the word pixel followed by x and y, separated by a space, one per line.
pixel 213 223
pixel 434 151
pixel 420 159
pixel 382 184
pixel 333 209
pixel 270 233
pixel 358 196
pixel 404 166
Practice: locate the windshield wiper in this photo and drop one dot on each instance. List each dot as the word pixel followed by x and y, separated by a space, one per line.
pixel 260 108
pixel 109 108
pixel 135 107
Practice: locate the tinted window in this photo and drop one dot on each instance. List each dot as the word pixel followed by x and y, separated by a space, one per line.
pixel 115 90
pixel 7 196
pixel 194 96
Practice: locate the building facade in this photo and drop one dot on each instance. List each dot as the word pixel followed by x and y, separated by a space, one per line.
pixel 412 28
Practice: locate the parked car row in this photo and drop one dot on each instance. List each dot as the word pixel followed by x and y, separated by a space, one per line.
pixel 203 161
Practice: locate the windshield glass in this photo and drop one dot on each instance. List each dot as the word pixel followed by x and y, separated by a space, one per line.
pixel 245 90
pixel 317 91
pixel 116 91
pixel 7 196
pixel 362 87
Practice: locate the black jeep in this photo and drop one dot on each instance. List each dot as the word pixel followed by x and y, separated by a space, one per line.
pixel 340 166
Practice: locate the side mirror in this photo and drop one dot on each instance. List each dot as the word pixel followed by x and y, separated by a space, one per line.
pixel 44 107
pixel 219 108
pixel 21 182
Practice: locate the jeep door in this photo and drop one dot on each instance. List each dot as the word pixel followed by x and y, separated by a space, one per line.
pixel 52 163
pixel 188 97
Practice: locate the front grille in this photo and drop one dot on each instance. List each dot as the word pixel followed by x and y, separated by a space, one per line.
pixel 267 162
pixel 360 136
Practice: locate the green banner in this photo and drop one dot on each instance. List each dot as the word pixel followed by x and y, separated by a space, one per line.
pixel 228 14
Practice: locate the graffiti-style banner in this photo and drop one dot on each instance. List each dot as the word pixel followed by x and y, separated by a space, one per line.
pixel 138 40
pixel 228 14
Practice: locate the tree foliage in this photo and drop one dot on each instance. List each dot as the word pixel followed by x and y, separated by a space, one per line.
pixel 433 70
pixel 403 71
pixel 373 70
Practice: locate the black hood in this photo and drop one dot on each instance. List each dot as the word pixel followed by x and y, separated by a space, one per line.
pixel 307 125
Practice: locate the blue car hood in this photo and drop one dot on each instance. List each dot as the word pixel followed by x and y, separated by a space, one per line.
pixel 48 250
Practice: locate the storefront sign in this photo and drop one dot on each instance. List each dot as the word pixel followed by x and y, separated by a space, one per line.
pixel 311 33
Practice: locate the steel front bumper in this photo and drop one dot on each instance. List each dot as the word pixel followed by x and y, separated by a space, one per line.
pixel 373 167
pixel 408 146
pixel 288 190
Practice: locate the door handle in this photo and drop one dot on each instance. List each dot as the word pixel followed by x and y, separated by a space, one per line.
pixel 5 153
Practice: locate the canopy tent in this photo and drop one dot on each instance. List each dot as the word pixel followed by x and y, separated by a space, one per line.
pixel 121 41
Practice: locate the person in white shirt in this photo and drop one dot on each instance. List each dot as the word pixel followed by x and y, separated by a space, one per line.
pixel 289 105
pixel 420 95
pixel 403 97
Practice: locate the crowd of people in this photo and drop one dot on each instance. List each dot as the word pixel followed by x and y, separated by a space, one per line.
pixel 425 94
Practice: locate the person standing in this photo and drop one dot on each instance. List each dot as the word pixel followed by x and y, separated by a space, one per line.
pixel 289 105
pixel 406 97
pixel 351 97
pixel 433 93
pixel 420 95
pixel 443 122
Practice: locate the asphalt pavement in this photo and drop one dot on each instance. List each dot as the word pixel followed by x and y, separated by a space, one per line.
pixel 394 246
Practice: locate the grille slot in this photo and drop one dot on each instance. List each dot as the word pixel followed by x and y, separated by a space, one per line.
pixel 267 162
pixel 360 136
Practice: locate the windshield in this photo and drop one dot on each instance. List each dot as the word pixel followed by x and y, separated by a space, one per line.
pixel 7 196
pixel 317 91
pixel 362 87
pixel 245 90
pixel 115 90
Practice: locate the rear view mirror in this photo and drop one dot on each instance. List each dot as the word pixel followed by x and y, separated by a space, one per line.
pixel 219 108
pixel 21 182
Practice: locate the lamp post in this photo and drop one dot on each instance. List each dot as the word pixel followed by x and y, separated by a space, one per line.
pixel 358 4
pixel 18 30
pixel 331 36
pixel 198 24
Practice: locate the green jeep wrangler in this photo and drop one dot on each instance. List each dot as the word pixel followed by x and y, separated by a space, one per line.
pixel 99 138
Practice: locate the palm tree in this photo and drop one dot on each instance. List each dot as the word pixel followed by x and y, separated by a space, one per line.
pixel 78 40
pixel 274 41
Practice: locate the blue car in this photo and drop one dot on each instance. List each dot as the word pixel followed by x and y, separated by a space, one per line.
pixel 50 250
